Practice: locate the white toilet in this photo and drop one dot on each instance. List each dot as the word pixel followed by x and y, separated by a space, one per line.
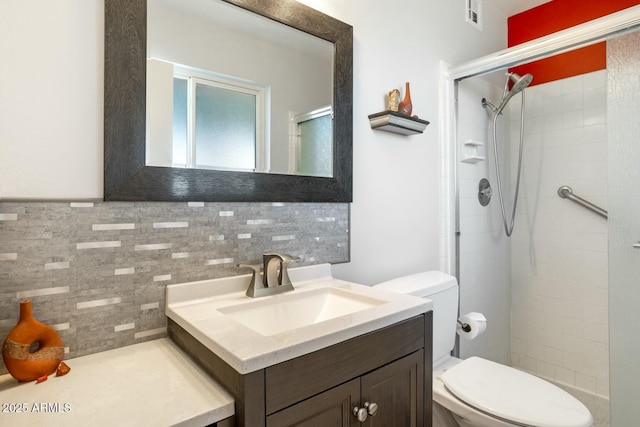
pixel 477 392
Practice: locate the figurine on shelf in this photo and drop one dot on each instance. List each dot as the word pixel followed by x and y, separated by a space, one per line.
pixel 405 106
pixel 394 99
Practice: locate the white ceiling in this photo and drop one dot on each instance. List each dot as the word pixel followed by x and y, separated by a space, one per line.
pixel 513 7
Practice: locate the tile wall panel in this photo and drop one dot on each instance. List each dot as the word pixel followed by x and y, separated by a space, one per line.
pixel 484 248
pixel 545 289
pixel 559 269
pixel 97 272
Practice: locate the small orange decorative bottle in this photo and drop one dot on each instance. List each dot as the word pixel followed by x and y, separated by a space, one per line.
pixel 23 363
pixel 405 106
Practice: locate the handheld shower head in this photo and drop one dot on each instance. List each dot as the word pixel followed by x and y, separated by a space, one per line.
pixel 519 84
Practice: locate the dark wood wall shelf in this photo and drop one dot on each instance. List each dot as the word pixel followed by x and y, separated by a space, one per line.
pixel 392 121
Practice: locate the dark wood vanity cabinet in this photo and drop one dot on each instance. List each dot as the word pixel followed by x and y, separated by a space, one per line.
pixel 395 388
pixel 386 367
pixel 332 408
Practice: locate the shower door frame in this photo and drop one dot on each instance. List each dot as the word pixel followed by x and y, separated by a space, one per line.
pixel 582 35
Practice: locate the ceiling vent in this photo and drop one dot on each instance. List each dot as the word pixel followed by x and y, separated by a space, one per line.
pixel 474 13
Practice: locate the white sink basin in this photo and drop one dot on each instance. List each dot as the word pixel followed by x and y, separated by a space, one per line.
pixel 295 310
pixel 253 333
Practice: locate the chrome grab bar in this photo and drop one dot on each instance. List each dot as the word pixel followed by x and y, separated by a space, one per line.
pixel 567 193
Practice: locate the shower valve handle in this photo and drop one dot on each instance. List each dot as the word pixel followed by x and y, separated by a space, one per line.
pixel 487 192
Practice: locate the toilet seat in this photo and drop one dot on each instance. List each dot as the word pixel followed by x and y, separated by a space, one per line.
pixel 517 397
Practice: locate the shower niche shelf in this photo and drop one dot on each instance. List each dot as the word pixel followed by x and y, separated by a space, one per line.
pixel 392 121
pixel 473 151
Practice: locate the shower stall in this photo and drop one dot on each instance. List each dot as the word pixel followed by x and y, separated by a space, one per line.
pixel 554 293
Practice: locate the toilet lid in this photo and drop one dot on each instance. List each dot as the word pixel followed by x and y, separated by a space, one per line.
pixel 513 395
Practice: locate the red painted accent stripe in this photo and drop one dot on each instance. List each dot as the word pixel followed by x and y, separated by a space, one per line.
pixel 558 15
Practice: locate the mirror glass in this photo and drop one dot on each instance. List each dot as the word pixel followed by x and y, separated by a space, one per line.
pixel 128 175
pixel 231 90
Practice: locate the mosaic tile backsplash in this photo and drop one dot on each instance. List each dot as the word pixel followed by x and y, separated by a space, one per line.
pixel 96 272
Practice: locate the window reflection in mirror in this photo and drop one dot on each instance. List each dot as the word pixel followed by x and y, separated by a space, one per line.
pixel 311 141
pixel 218 123
pixel 244 78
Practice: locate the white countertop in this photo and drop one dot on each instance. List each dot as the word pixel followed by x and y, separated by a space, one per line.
pixel 194 306
pixel 152 383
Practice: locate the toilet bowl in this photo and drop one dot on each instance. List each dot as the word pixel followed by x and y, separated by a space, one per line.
pixel 477 392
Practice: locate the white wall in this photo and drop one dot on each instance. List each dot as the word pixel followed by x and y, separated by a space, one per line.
pixel 484 247
pixel 394 216
pixel 159 135
pixel 51 114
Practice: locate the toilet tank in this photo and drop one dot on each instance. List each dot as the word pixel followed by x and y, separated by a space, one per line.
pixel 442 289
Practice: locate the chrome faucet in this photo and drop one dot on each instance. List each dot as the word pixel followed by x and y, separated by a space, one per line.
pixel 275 278
pixel 272 263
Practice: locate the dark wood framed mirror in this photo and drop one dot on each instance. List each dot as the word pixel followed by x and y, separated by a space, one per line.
pixel 126 175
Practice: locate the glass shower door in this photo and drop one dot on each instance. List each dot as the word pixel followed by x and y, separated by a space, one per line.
pixel 623 104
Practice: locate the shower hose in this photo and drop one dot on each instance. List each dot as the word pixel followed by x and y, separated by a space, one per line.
pixel 508 227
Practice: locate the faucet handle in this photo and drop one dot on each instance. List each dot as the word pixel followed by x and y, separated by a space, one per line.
pixel 255 267
pixel 284 274
pixel 251 290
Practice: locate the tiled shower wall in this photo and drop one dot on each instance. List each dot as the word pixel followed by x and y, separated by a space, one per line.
pixel 484 249
pixel 96 272
pixel 559 249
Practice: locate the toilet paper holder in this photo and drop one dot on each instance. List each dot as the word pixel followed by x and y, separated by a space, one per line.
pixel 465 326
pixel 471 325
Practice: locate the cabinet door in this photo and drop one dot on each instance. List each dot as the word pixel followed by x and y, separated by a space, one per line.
pixel 333 408
pixel 398 391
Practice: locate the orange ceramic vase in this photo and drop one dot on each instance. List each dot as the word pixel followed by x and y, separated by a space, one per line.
pixel 24 364
pixel 405 106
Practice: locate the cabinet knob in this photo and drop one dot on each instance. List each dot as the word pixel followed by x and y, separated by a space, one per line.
pixel 360 414
pixel 372 408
